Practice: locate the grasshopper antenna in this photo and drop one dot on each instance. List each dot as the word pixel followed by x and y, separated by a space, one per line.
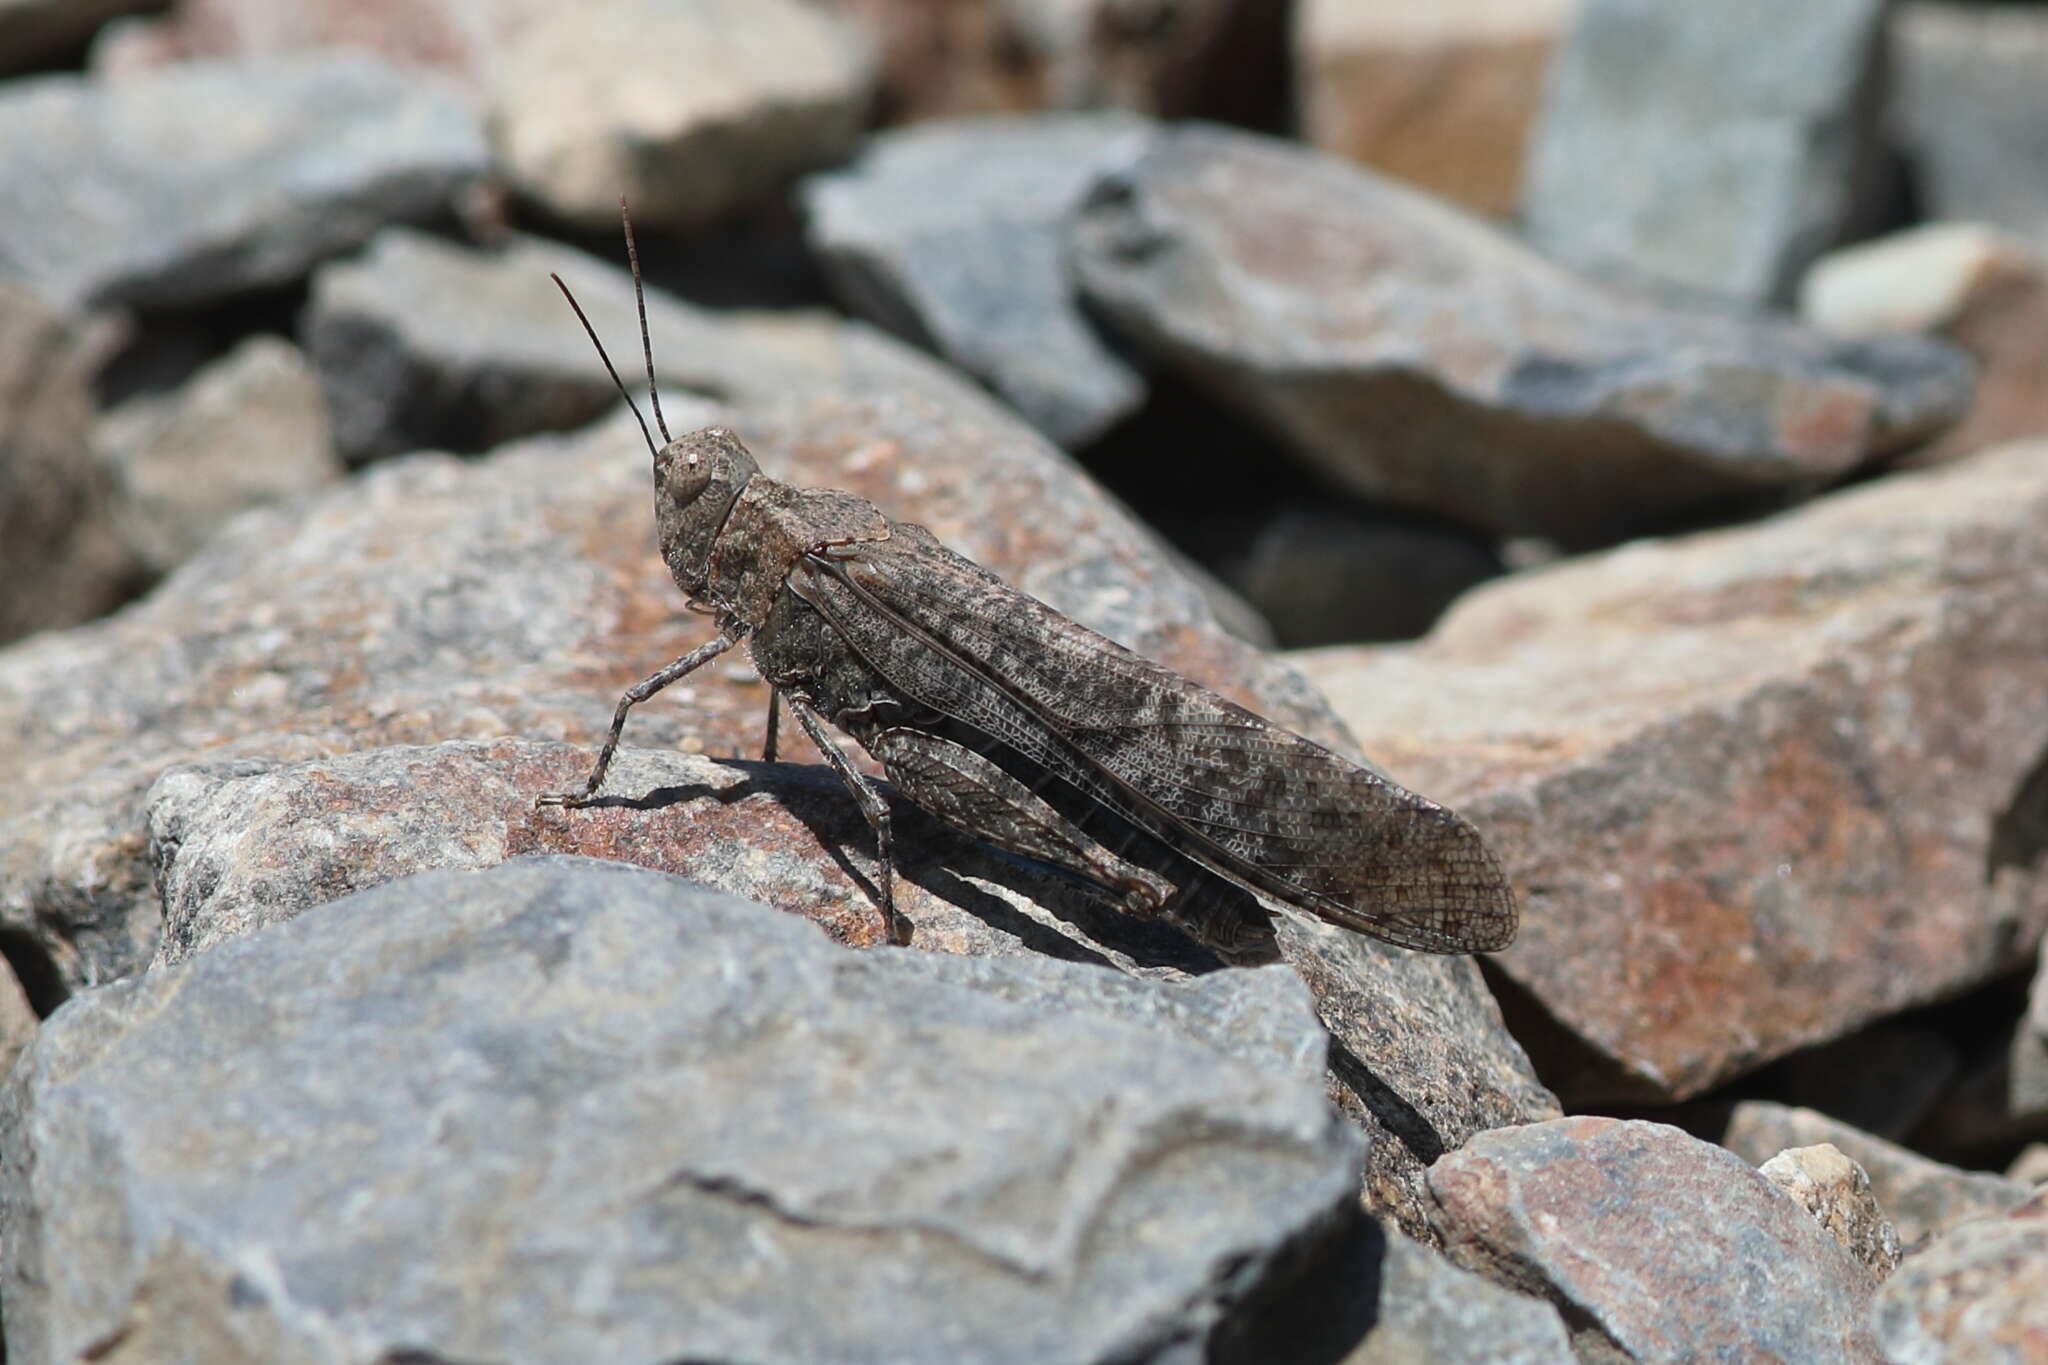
pixel 609 369
pixel 640 302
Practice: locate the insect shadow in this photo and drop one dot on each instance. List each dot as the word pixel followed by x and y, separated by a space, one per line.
pixel 948 865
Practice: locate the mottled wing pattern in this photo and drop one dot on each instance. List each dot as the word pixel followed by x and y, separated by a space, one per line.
pixel 1236 793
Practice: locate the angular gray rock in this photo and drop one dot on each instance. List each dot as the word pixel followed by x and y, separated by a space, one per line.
pixel 1760 786
pixel 1923 1198
pixel 773 88
pixel 609 1115
pixel 1979 1295
pixel 435 600
pixel 954 236
pixel 192 184
pixel 1836 1192
pixel 35 31
pixel 248 430
pixel 61 561
pixel 1412 353
pixel 1659 1246
pixel 1972 115
pixel 1719 149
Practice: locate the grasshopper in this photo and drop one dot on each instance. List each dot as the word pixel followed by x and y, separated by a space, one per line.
pixel 1021 728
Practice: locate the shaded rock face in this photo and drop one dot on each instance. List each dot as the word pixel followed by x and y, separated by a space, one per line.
pixel 1980 1293
pixel 653 1116
pixel 1412 354
pixel 1717 149
pixel 1759 785
pixel 325 150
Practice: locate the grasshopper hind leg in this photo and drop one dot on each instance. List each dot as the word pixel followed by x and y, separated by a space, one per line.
pixel 972 794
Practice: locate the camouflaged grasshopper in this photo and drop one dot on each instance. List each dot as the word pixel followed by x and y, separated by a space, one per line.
pixel 1017 726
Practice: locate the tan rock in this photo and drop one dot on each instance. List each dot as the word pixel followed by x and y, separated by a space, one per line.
pixel 1441 95
pixel 1836 1191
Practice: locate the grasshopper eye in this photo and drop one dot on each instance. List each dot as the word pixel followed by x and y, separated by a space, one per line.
pixel 681 472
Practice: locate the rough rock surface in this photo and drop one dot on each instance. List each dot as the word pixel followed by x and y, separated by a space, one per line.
pixel 1759 786
pixel 954 236
pixel 1412 353
pixel 1836 1191
pixel 775 88
pixel 1442 95
pixel 434 600
pixel 1972 114
pixel 1922 1197
pixel 1979 1295
pixel 34 31
pixel 191 184
pixel 61 561
pixel 654 1123
pixel 248 430
pixel 1660 1246
pixel 458 38
pixel 1718 148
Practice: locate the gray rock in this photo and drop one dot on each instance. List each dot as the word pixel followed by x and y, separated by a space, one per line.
pixel 425 344
pixel 61 561
pixel 1971 112
pixel 953 236
pixel 1718 149
pixel 1762 786
pixel 1979 1295
pixel 1836 1191
pixel 609 1115
pixel 185 186
pixel 776 88
pixel 1922 1197
pixel 2029 1094
pixel 1413 353
pixel 35 31
pixel 1660 1246
pixel 434 600
pixel 248 430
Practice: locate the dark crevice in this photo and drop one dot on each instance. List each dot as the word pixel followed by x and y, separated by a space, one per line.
pixel 37 972
pixel 2019 836
pixel 1315 1306
pixel 1408 1124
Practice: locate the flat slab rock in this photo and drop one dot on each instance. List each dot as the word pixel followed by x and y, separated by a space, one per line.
pixel 1413 353
pixel 1759 786
pixel 188 185
pixel 1660 1246
pixel 610 1115
pixel 433 601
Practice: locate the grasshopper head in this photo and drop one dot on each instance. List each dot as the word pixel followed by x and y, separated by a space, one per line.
pixel 697 478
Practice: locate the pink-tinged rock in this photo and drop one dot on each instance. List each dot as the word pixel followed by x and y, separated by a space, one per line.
pixel 1979 1296
pixel 1923 1198
pixel 1415 354
pixel 1757 787
pixel 1441 95
pixel 1662 1247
